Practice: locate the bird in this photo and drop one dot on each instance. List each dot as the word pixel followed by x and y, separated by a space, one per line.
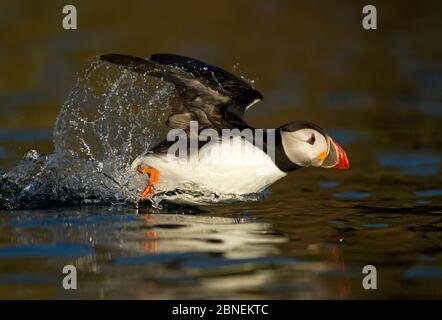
pixel 208 119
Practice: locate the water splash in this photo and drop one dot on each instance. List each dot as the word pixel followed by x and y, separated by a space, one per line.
pixel 112 114
pixel 109 118
pixel 204 197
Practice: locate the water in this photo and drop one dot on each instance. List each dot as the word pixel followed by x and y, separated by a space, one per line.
pixel 73 201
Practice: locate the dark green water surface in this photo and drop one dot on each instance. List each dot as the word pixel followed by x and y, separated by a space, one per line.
pixel 378 93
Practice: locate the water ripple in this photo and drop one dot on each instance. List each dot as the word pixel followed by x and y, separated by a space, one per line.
pixel 60 250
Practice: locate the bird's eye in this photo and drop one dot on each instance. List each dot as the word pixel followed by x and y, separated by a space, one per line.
pixel 312 139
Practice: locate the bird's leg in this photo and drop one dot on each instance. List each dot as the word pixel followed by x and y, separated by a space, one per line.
pixel 154 175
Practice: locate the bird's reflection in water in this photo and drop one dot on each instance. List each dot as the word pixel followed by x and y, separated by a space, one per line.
pixel 203 254
pixel 236 238
pixel 218 255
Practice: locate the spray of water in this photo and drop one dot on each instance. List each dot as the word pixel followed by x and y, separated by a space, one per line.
pixel 109 118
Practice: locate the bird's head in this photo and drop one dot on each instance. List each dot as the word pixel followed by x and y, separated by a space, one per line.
pixel 307 145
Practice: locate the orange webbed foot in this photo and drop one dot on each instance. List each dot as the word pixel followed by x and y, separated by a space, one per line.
pixel 154 175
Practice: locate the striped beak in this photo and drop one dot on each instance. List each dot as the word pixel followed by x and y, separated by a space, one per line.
pixel 336 157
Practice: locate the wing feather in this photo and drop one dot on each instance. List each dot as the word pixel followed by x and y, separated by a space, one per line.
pixel 212 96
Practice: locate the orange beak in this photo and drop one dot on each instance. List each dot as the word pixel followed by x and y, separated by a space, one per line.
pixel 336 157
pixel 343 162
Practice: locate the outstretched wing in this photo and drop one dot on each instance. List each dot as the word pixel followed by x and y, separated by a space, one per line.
pixel 208 94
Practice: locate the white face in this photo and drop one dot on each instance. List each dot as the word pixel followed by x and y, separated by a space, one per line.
pixel 305 147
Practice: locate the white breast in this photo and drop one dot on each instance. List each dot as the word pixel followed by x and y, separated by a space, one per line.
pixel 228 166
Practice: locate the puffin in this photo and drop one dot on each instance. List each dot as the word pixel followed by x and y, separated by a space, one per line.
pixel 222 153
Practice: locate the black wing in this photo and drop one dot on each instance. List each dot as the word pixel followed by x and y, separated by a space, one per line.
pixel 212 96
